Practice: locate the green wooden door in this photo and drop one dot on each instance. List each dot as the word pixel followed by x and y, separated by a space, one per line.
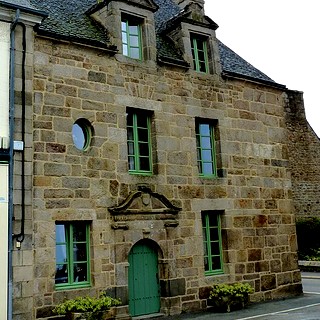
pixel 144 297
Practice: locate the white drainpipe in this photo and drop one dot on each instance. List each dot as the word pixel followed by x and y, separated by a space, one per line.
pixel 4 168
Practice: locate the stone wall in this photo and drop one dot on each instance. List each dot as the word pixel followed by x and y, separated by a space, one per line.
pixel 304 153
pixel 254 191
pixel 22 255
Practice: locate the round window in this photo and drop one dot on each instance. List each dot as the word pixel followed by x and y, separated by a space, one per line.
pixel 81 134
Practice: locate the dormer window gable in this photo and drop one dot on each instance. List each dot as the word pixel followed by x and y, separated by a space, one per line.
pixel 130 25
pixel 194 34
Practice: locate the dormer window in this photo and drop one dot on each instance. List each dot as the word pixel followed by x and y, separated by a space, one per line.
pixel 131 37
pixel 199 53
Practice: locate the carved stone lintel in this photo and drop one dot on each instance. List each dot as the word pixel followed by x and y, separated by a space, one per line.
pixel 145 202
pixel 171 223
pixel 120 225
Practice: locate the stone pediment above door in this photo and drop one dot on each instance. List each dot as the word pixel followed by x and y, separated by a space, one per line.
pixel 144 204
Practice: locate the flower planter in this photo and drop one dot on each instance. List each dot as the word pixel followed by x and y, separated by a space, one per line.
pixel 229 297
pixel 228 303
pixel 101 315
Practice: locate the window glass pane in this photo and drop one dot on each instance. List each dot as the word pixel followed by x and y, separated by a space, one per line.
pixel 206 263
pixel 133 30
pixel 80 272
pixel 80 252
pixel 81 134
pixel 213 220
pixel 123 26
pixel 129 116
pixel 60 233
pixel 124 38
pixel 200 45
pixel 61 253
pixel 131 163
pixel 207 168
pixel 79 232
pixel 143 135
pixel 144 149
pixel 130 133
pixel 144 164
pixel 78 136
pixel 206 155
pixel 214 234
pixel 134 41
pixel 130 148
pixel 142 121
pixel 215 250
pixel 216 264
pixel 202 66
pixel 206 143
pixel 204 129
pixel 135 53
pixel 125 50
pixel 61 274
pixel 201 56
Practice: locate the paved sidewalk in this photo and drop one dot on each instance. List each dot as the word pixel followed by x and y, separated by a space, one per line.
pixel 304 307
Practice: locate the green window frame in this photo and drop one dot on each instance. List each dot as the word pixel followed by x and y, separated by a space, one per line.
pixel 211 229
pixel 199 53
pixel 206 148
pixel 139 141
pixel 72 255
pixel 131 38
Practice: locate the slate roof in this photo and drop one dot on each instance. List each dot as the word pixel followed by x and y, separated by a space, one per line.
pixel 68 19
pixel 21 4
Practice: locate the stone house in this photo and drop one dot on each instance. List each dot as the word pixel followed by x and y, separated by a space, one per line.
pixel 140 156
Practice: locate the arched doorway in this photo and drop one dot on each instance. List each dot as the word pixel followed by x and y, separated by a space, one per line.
pixel 143 279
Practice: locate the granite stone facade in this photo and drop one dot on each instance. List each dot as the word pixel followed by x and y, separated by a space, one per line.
pixel 254 122
pixel 304 152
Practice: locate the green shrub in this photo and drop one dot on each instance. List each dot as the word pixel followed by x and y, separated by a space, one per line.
pixel 236 290
pixel 86 304
pixel 308 231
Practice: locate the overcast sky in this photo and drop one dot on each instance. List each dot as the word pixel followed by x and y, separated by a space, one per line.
pixel 280 38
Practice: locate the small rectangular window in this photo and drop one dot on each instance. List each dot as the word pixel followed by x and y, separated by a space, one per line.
pixel 211 229
pixel 199 53
pixel 206 153
pixel 131 38
pixel 139 141
pixel 72 255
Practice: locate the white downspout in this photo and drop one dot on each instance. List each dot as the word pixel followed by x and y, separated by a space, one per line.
pixel 4 167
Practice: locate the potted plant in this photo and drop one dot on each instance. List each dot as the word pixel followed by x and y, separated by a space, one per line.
pixel 87 308
pixel 227 297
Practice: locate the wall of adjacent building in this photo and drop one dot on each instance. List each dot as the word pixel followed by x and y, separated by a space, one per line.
pixel 72 82
pixel 304 153
pixel 4 189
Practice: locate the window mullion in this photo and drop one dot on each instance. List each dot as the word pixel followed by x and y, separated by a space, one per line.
pixel 208 242
pixel 220 239
pixel 128 37
pixel 213 151
pixel 149 142
pixel 70 253
pixel 136 142
pixel 88 251
pixel 196 54
pixel 205 56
